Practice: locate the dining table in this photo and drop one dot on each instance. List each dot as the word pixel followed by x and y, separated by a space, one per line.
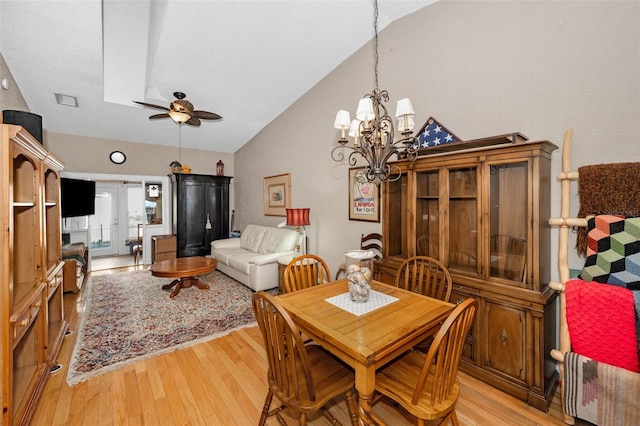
pixel 365 335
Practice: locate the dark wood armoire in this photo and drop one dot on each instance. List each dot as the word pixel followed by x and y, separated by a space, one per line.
pixel 200 207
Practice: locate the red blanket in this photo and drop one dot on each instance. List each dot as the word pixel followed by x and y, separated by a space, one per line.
pixel 602 325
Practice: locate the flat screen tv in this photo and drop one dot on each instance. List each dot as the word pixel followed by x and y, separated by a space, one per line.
pixel 78 197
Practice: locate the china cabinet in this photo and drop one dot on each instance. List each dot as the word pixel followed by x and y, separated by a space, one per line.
pixel 484 213
pixel 32 304
pixel 200 212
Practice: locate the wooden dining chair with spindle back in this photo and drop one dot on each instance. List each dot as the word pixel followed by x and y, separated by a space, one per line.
pixel 426 385
pixel 305 271
pixel 302 377
pixel 425 275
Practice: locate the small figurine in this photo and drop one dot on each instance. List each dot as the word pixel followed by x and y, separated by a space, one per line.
pixel 176 167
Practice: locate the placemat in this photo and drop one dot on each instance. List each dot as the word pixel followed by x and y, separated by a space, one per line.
pixel 376 300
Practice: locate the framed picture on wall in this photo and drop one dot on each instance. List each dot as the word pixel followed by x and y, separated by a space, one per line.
pixel 364 197
pixel 277 194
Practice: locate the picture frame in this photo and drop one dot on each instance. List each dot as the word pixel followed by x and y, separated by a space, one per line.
pixel 277 194
pixel 364 197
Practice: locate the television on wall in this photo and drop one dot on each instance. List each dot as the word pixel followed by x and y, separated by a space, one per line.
pixel 78 197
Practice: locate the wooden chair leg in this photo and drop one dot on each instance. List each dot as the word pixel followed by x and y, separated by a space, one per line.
pixel 265 409
pixel 351 406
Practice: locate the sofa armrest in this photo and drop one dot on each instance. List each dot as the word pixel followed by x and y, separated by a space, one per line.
pixel 226 243
pixel 265 259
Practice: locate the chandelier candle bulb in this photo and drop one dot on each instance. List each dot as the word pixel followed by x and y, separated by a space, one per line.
pixel 342 122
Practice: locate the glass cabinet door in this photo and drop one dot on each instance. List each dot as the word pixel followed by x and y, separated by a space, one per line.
pixel 396 211
pixel 427 214
pixel 508 207
pixel 463 220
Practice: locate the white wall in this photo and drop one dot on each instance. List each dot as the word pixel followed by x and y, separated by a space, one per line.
pixel 481 68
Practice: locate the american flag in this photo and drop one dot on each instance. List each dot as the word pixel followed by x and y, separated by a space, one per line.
pixel 433 134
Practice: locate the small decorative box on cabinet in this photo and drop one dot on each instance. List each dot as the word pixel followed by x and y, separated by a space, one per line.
pixel 163 247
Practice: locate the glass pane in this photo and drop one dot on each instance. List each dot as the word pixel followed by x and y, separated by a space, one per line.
pixel 508 221
pixel 427 215
pixel 136 210
pixel 463 220
pixel 100 223
pixel 397 217
pixel 153 203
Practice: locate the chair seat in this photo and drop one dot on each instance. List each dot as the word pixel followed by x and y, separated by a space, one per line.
pixel 330 377
pixel 398 380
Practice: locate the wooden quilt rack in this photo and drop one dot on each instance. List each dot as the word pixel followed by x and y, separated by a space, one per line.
pixel 613 378
pixel 564 222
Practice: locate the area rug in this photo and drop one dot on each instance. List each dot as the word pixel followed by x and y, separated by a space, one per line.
pixel 128 317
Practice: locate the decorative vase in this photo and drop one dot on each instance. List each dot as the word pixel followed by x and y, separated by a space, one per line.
pixel 220 168
pixel 359 278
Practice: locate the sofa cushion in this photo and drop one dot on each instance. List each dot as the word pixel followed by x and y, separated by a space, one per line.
pixel 276 240
pixel 241 261
pixel 223 255
pixel 252 237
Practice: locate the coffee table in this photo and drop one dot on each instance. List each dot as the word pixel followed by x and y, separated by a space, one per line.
pixel 184 269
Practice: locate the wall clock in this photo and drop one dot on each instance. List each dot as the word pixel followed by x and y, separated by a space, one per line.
pixel 117 157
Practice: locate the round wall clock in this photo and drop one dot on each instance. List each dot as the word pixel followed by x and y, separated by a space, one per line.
pixel 117 157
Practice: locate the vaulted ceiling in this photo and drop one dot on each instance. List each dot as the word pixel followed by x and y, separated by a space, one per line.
pixel 245 60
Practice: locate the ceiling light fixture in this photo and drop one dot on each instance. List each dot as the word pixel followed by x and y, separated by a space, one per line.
pixel 67 100
pixel 373 130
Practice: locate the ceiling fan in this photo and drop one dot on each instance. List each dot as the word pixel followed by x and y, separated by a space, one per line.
pixel 181 111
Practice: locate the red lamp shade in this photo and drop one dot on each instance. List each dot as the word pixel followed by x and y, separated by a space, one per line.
pixel 298 217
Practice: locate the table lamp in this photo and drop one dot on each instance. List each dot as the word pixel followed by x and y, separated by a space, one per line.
pixel 299 218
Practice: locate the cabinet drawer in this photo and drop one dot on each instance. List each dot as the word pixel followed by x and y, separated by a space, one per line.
pixel 54 283
pixel 21 324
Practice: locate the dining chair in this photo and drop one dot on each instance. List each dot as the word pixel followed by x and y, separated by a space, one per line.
pixel 305 271
pixel 425 275
pixel 302 377
pixel 137 248
pixel 426 385
pixel 368 242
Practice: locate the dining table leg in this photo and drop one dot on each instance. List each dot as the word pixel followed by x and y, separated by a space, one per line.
pixel 365 385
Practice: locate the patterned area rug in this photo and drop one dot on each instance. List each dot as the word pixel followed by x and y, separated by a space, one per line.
pixel 128 317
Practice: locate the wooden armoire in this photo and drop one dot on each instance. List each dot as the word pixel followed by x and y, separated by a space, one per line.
pixel 483 212
pixel 200 207
pixel 33 323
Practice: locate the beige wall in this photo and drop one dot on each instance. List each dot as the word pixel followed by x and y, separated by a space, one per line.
pixel 86 154
pixel 480 68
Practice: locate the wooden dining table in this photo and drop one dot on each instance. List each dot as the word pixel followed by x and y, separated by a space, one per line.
pixel 365 341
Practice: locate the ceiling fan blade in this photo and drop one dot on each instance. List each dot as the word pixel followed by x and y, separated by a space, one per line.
pixel 193 121
pixel 153 117
pixel 151 105
pixel 206 115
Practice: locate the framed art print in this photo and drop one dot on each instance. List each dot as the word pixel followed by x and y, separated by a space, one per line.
pixel 277 198
pixel 364 197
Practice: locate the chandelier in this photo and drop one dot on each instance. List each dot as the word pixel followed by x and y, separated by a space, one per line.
pixel 373 131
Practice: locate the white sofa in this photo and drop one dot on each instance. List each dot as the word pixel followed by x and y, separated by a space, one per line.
pixel 252 258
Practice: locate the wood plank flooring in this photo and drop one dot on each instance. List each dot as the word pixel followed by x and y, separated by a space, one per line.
pixel 223 382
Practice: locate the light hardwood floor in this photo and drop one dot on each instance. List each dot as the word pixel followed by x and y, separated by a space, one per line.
pixel 223 382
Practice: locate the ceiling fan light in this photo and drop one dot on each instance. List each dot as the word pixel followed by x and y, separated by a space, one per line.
pixel 179 117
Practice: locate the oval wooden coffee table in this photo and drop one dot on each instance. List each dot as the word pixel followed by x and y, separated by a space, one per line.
pixel 184 269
